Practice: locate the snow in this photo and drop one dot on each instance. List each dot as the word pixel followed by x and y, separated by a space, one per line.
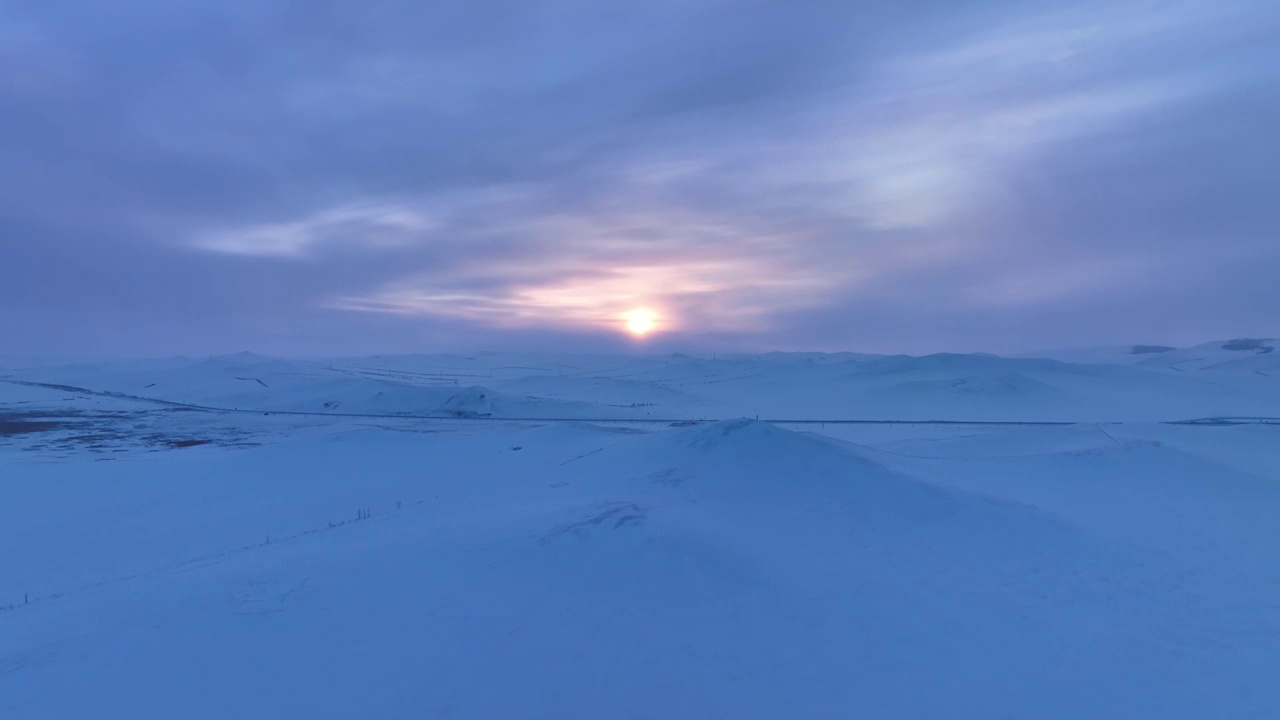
pixel 1239 354
pixel 552 536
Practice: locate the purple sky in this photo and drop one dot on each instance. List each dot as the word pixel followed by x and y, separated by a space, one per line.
pixel 315 176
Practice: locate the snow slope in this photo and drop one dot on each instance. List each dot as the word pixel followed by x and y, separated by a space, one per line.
pixel 1229 378
pixel 251 382
pixel 178 563
pixel 1239 353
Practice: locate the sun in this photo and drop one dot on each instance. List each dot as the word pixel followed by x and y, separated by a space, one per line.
pixel 641 321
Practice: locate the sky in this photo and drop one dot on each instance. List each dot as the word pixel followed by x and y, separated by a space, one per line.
pixel 305 177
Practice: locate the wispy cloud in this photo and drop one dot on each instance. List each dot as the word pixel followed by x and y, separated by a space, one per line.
pixel 802 217
pixel 586 271
pixel 934 134
pixel 349 227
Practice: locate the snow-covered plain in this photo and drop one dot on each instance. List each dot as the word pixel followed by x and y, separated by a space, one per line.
pixel 515 536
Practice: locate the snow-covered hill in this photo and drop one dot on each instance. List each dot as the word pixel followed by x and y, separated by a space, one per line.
pixel 429 556
pixel 1232 378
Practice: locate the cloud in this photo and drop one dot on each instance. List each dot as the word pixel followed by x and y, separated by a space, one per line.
pixel 931 135
pixel 708 227
pixel 351 227
pixel 585 271
pixel 761 169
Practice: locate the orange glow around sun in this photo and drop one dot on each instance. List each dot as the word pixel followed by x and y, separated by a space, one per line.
pixel 641 321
